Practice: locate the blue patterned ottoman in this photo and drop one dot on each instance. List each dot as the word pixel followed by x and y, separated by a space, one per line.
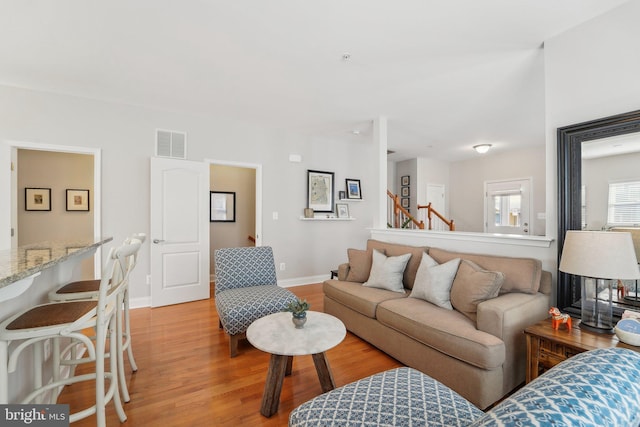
pixel 399 397
pixel 596 388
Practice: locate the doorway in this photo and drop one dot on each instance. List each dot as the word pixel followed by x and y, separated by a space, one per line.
pixel 77 167
pixel 508 206
pixel 245 181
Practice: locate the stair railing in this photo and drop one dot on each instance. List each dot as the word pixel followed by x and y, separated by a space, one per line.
pixel 399 217
pixel 436 219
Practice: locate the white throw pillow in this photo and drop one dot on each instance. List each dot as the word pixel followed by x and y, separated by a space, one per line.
pixel 433 281
pixel 386 272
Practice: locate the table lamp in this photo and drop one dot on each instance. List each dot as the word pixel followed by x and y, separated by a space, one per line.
pixel 601 258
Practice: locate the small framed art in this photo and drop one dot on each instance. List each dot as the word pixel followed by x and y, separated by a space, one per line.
pixel 77 200
pixel 320 191
pixel 353 189
pixel 37 256
pixel 405 192
pixel 405 180
pixel 342 210
pixel 405 202
pixel 37 199
pixel 222 206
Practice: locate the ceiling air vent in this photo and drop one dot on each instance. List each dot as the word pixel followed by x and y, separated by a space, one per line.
pixel 171 144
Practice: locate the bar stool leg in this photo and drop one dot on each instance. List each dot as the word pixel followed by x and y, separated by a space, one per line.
pixel 4 372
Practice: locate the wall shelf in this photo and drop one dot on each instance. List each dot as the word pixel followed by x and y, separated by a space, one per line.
pixel 326 219
pixel 350 200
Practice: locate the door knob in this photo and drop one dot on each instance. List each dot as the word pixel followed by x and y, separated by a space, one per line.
pixel 156 241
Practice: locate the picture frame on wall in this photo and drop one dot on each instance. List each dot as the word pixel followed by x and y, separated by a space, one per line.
pixel 320 190
pixel 222 206
pixel 342 195
pixel 353 189
pixel 342 210
pixel 405 202
pixel 405 180
pixel 37 199
pixel 77 200
pixel 404 191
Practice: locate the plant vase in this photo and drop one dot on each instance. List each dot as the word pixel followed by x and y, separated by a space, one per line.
pixel 299 319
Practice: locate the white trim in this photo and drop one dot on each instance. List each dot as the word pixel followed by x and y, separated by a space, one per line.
pixel 298 281
pixel 503 239
pixel 97 184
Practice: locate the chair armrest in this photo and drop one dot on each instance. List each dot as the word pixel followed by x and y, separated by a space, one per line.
pixel 343 271
pixel 506 317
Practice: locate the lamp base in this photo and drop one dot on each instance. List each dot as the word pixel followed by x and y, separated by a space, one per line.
pixel 600 329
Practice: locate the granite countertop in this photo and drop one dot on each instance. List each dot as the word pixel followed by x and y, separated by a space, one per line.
pixel 16 264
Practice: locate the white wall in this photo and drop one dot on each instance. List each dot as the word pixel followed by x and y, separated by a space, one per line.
pixel 468 178
pixel 126 135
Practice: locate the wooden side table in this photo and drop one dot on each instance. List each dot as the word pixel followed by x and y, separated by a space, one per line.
pixel 546 347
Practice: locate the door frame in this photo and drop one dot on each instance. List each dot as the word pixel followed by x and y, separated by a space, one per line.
pixel 97 187
pixel 529 200
pixel 258 168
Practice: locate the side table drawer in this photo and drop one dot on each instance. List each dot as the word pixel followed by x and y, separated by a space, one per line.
pixel 550 353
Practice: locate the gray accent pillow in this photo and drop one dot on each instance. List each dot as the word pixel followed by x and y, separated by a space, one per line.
pixel 433 281
pixel 386 272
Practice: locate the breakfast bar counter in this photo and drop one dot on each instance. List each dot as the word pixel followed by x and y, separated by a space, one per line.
pixel 27 275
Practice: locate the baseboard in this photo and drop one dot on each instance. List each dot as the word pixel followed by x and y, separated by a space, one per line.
pixel 287 283
pixel 298 281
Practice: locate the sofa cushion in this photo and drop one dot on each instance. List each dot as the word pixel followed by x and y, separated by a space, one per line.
pixel 472 285
pixel 386 271
pixel 447 331
pixel 433 281
pixel 359 265
pixel 395 249
pixel 520 274
pixel 357 297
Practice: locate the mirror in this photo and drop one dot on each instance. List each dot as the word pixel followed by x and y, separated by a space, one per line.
pixel 570 140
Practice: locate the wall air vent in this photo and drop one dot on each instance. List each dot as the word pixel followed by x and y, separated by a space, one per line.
pixel 171 144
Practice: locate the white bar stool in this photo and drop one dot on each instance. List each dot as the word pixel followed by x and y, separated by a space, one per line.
pixel 68 319
pixel 88 289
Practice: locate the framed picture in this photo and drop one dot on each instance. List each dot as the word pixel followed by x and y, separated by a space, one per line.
pixel 37 199
pixel 342 195
pixel 37 256
pixel 320 191
pixel 405 180
pixel 342 209
pixel 353 189
pixel 77 200
pixel 405 202
pixel 405 192
pixel 222 206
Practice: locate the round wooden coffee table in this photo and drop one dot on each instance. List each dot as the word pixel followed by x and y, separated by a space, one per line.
pixel 276 334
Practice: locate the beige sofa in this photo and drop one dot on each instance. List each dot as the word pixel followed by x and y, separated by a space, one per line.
pixel 481 354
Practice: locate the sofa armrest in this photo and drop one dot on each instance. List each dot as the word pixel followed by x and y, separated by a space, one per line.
pixel 343 271
pixel 506 317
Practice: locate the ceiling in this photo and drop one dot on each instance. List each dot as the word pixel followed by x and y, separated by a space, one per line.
pixel 447 74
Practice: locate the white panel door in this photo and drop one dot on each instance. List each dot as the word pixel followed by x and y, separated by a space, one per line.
pixel 179 231
pixel 508 205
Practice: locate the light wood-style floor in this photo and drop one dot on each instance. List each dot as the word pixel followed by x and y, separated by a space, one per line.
pixel 186 378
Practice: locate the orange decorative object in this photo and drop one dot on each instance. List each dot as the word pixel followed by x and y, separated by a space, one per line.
pixel 558 318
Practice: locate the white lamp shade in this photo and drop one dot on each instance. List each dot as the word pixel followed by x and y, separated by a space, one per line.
pixel 599 254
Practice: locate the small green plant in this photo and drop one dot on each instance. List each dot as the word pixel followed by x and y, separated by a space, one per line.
pixel 298 306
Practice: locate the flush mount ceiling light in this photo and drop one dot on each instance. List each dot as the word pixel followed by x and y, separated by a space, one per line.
pixel 482 148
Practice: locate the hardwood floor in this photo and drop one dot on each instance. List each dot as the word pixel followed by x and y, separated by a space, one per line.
pixel 186 378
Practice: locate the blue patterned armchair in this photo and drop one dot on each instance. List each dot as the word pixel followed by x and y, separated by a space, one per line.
pixel 246 289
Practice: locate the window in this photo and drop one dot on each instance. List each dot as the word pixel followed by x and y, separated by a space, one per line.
pixel 624 203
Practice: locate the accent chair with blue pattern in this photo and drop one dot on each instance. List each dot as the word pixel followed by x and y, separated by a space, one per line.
pixel 246 289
